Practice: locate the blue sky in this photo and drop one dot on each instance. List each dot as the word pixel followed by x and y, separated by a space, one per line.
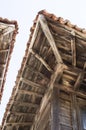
pixel 24 11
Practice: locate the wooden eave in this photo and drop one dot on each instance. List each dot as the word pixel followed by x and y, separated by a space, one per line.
pixel 8 31
pixel 55 57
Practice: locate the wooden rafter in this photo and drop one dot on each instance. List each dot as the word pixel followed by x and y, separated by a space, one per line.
pixel 57 74
pixel 50 38
pixel 41 60
pixel 27 104
pixel 80 78
pixel 36 71
pixel 29 93
pixel 28 82
pixel 73 48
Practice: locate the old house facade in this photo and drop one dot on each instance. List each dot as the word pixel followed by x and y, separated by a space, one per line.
pixel 8 31
pixel 50 89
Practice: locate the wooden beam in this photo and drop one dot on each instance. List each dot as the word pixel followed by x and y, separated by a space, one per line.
pixel 41 60
pixel 19 123
pixel 27 104
pixel 21 113
pixel 50 38
pixel 30 93
pixel 69 90
pixel 29 82
pixel 80 78
pixel 73 48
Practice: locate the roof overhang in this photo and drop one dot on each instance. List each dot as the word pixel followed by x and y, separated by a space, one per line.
pixel 8 31
pixel 55 56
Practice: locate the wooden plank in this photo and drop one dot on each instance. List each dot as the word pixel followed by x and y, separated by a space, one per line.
pixel 30 93
pixel 22 113
pixel 55 110
pixel 41 60
pixel 19 123
pixel 73 48
pixel 69 90
pixel 37 72
pixel 29 82
pixel 50 38
pixel 80 78
pixel 73 108
pixel 27 104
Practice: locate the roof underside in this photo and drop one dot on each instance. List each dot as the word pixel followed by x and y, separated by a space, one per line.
pixel 8 30
pixel 51 43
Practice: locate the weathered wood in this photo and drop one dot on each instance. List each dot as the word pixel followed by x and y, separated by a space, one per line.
pixel 22 113
pixel 74 108
pixel 19 123
pixel 69 90
pixel 57 75
pixel 27 104
pixel 37 72
pixel 80 78
pixel 29 93
pixel 44 102
pixel 67 29
pixel 41 121
pixel 8 30
pixel 55 110
pixel 41 60
pixel 73 48
pixel 29 82
pixel 50 38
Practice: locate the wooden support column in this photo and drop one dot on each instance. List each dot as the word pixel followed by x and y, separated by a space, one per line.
pixel 73 48
pixel 55 110
pixel 50 38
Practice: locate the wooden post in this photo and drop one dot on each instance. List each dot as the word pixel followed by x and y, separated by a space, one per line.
pixel 74 108
pixel 55 110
